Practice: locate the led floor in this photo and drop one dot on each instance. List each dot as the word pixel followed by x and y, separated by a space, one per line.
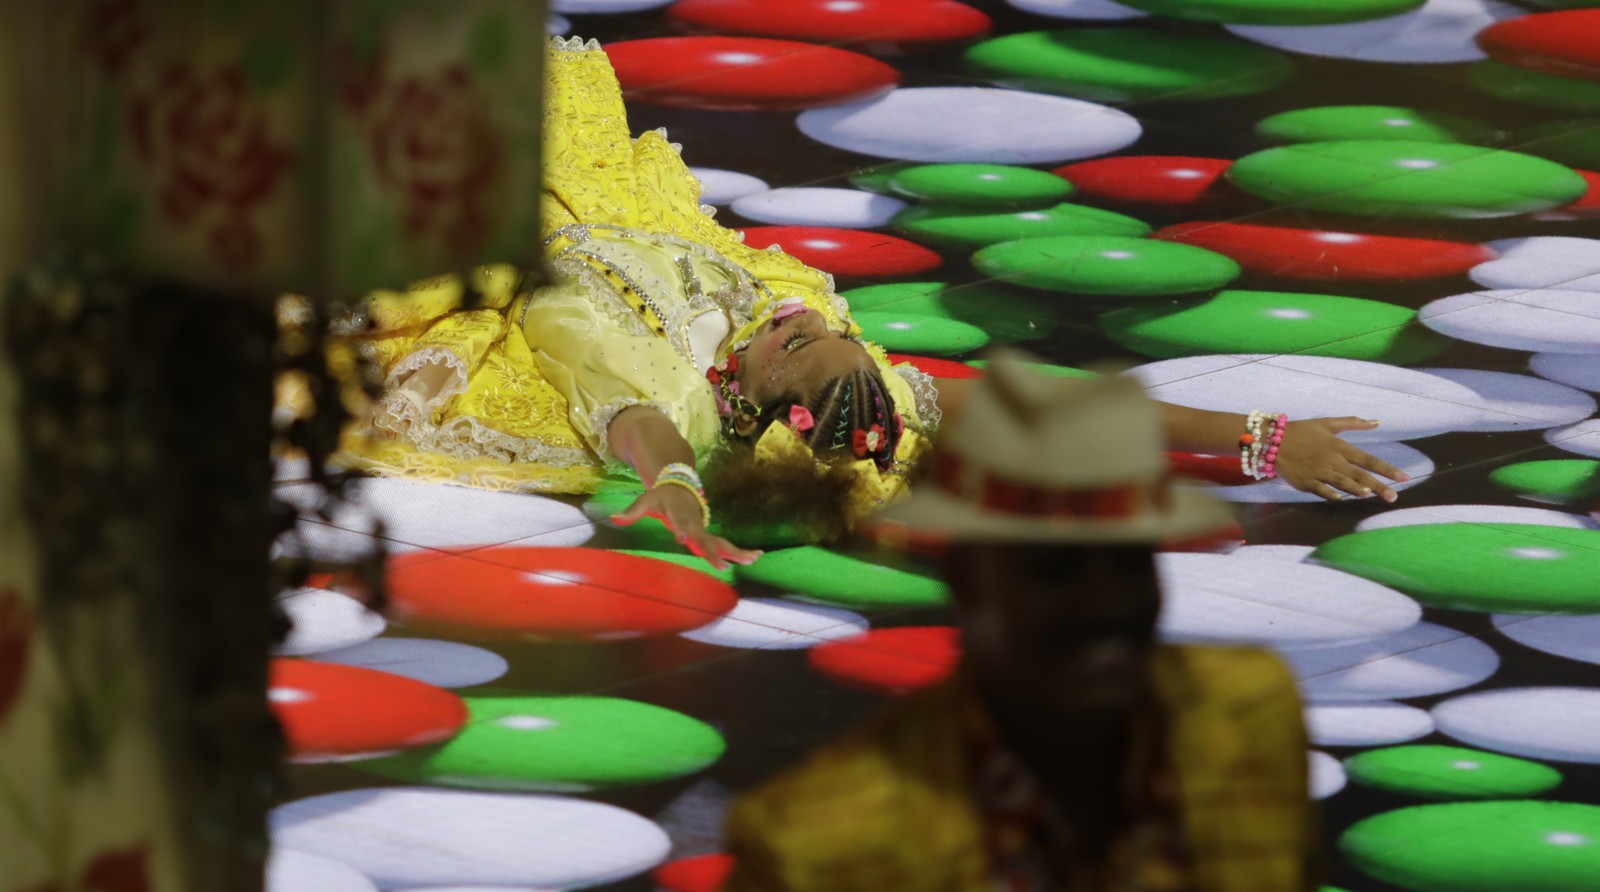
pixel 1362 217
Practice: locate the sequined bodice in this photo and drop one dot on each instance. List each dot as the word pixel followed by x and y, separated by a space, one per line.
pixel 656 284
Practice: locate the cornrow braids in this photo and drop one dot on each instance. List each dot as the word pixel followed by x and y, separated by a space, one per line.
pixel 841 427
pixel 853 413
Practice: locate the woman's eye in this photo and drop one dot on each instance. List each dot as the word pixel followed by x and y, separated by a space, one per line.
pixel 793 341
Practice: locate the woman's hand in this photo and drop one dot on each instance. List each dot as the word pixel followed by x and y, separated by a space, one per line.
pixel 648 441
pixel 1312 458
pixel 680 511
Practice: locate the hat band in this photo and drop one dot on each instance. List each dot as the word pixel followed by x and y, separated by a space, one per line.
pixel 998 494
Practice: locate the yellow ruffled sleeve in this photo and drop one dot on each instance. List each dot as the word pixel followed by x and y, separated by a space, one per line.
pixel 602 369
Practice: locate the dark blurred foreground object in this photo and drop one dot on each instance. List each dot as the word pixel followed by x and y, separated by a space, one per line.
pixel 1071 751
pixel 171 167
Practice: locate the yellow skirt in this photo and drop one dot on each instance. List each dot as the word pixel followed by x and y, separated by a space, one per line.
pixel 477 409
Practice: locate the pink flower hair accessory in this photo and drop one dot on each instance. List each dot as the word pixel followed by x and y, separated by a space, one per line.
pixel 800 419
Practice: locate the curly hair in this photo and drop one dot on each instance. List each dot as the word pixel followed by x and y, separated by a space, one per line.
pixel 853 417
pixel 759 498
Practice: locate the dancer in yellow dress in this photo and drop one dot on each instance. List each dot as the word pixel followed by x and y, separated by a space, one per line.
pixel 664 343
pixel 610 362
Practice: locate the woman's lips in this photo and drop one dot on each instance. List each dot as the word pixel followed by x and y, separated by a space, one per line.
pixel 789 310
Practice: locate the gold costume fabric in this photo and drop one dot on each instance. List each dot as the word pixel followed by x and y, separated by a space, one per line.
pixel 518 393
pixel 892 807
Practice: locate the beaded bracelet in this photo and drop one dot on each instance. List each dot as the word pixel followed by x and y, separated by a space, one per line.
pixel 1258 445
pixel 681 471
pixel 682 475
pixel 1275 439
pixel 1249 444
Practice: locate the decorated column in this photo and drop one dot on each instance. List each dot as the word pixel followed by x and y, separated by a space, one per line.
pixel 174 167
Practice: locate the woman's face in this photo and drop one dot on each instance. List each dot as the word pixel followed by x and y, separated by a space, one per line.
pixel 795 353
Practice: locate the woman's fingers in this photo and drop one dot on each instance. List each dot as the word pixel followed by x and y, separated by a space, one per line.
pixel 700 547
pixel 719 552
pixel 1371 485
pixel 633 513
pixel 1349 483
pixel 682 517
pixel 1363 459
pixel 1326 491
pixel 1348 423
pixel 1378 488
pixel 738 555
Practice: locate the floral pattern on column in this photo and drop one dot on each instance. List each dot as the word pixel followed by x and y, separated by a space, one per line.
pixel 16 638
pixel 113 870
pixel 434 145
pixel 207 140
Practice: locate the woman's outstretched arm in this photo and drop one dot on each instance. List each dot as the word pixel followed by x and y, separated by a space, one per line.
pixel 1313 458
pixel 648 442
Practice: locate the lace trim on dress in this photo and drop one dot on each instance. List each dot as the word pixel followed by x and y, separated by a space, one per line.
pixel 466 437
pixel 737 300
pixel 927 395
pixel 415 362
pixel 409 416
pixel 575 45
pixel 400 414
pixel 600 421
pixel 407 413
pixel 591 281
pixel 676 147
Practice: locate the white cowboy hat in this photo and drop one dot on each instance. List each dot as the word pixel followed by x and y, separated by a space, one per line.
pixel 1035 458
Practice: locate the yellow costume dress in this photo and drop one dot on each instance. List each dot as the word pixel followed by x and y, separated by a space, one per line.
pixel 647 293
pixel 891 807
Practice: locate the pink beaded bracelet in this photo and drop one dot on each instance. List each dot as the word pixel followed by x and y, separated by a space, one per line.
pixel 1269 466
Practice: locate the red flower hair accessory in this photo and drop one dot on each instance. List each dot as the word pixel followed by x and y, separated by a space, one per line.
pixel 800 419
pixel 868 442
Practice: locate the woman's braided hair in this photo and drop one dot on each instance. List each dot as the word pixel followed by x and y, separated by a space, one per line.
pixel 853 417
pixel 852 414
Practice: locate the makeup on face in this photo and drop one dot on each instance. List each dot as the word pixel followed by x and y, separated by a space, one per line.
pixel 778 358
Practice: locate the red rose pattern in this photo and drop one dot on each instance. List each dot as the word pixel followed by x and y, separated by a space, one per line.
pixel 208 140
pixel 433 142
pixel 16 638
pixel 113 870
pixel 121 870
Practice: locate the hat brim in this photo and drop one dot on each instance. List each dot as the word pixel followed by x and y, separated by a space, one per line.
pixel 936 514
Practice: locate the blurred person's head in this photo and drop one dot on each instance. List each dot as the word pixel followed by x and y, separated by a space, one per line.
pixel 1062 628
pixel 1048 497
